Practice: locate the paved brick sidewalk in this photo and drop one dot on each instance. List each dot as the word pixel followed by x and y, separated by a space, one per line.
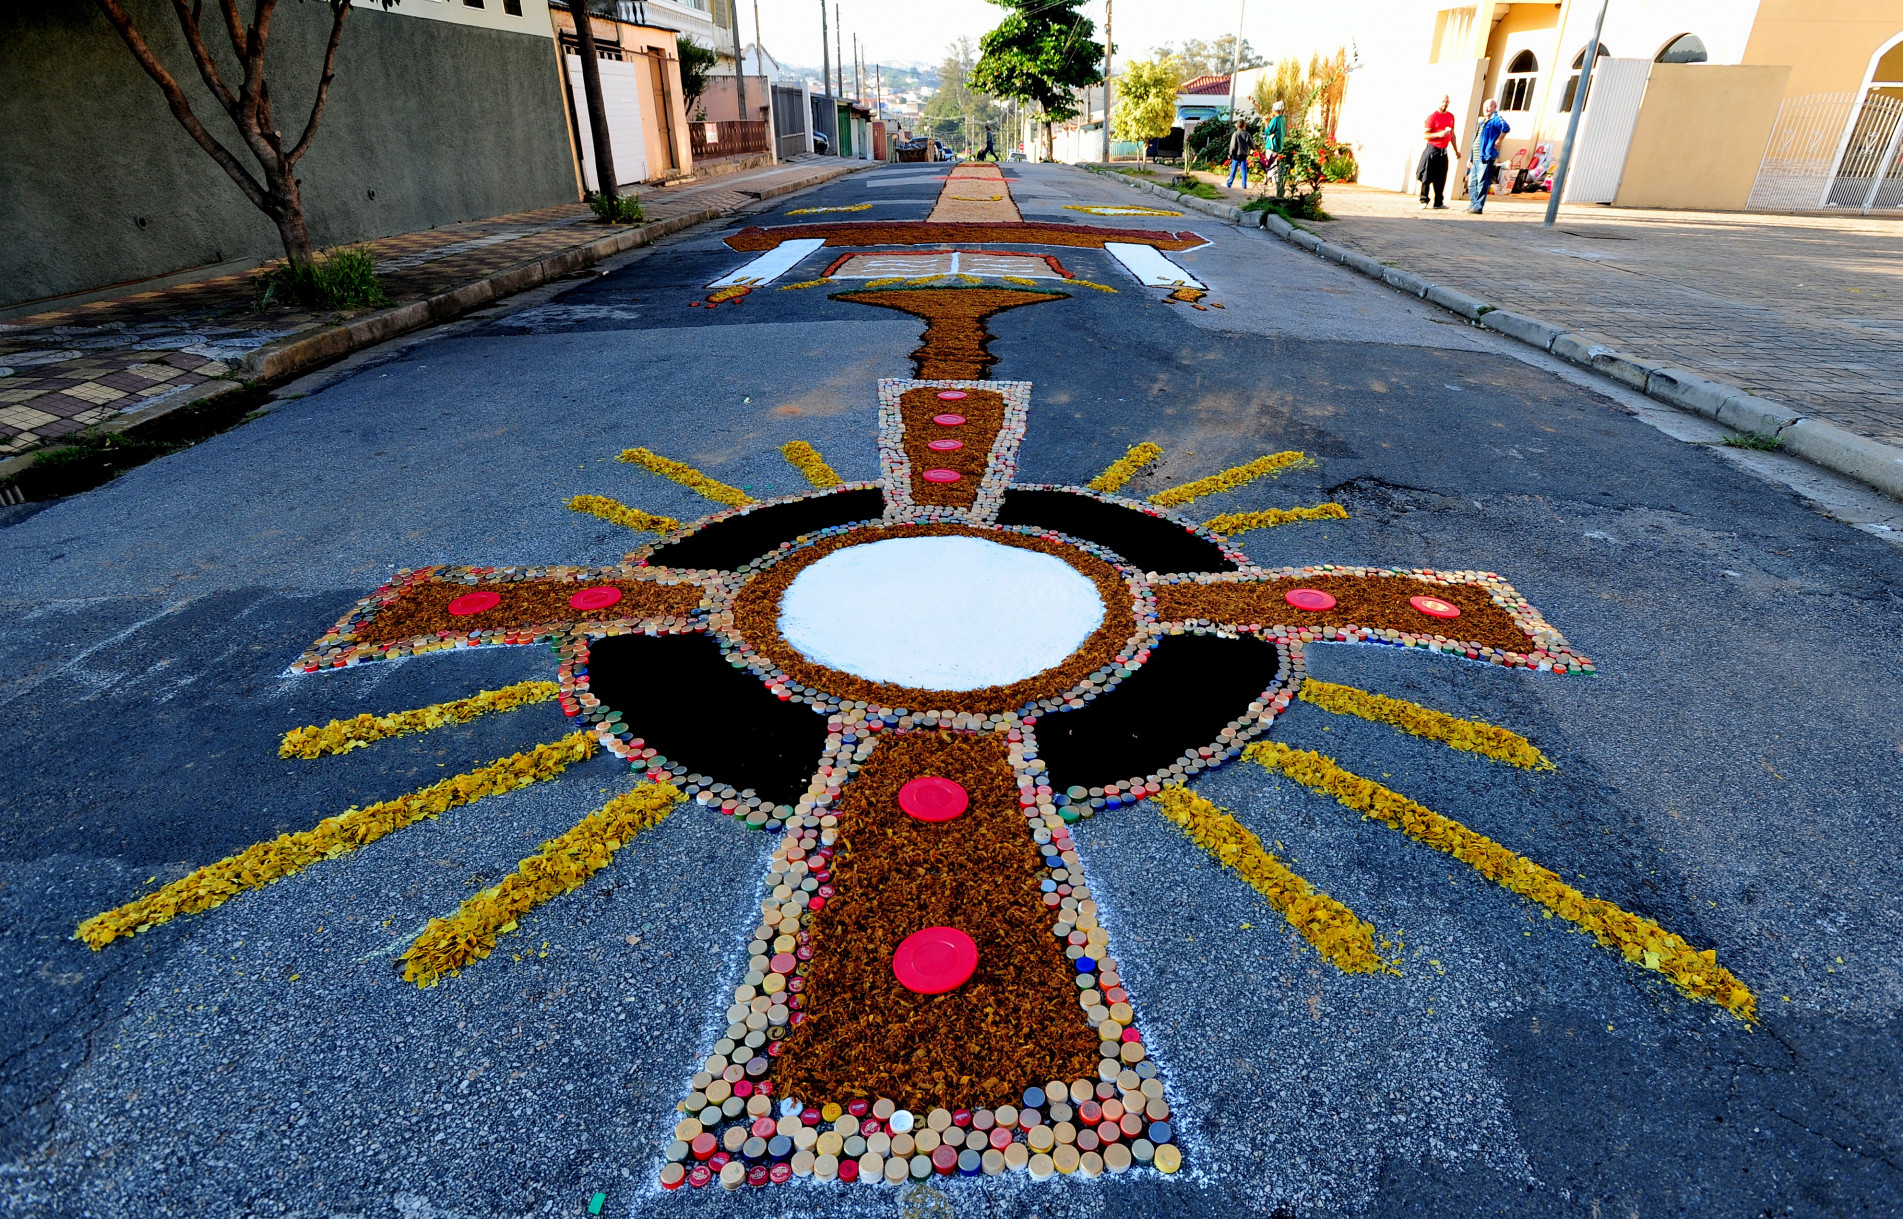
pixel 1806 310
pixel 67 370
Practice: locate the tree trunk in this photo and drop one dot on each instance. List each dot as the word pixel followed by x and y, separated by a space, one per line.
pixel 605 181
pixel 287 212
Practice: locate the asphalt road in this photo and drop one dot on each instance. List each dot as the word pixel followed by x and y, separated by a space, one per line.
pixel 1732 771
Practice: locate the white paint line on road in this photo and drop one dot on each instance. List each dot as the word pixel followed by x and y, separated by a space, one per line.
pixel 1150 267
pixel 770 265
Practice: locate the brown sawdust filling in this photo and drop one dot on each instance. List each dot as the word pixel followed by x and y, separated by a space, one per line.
pixel 1380 602
pixel 756 614
pixel 926 232
pixel 424 610
pixel 955 334
pixel 983 410
pixel 1013 1024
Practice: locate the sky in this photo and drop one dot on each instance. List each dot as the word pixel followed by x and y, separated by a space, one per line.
pixel 908 31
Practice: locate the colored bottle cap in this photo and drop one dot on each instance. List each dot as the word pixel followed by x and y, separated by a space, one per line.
pixel 946 445
pixel 931 476
pixel 935 960
pixel 970 1163
pixel 948 420
pixel 704 1145
pixel 952 395
pixel 758 1175
pixel 1033 1098
pixel 930 798
pixel 945 1159
pixel 1160 1132
pixel 474 603
pixel 1309 599
pixel 849 1171
pixel 1433 607
pixel 599 597
pixel 901 1121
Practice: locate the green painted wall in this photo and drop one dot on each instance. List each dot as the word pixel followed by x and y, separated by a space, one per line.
pixel 444 122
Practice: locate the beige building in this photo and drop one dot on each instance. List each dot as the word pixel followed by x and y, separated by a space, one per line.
pixel 1722 104
pixel 641 88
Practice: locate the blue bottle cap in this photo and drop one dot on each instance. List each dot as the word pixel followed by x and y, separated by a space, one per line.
pixel 1160 1132
pixel 1034 1098
pixel 1085 965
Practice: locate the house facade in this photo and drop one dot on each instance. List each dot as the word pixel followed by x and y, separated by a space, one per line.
pixel 640 88
pixel 1722 104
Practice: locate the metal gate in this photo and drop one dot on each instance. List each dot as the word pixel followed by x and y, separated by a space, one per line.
pixel 1833 150
pixel 1605 129
pixel 790 120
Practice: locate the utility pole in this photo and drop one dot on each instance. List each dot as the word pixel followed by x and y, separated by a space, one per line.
pixel 1107 51
pixel 739 60
pixel 1235 69
pixel 1572 121
pixel 605 183
pixel 825 51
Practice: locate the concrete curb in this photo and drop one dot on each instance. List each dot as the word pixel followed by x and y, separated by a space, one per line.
pixel 1221 211
pixel 1868 461
pixel 289 357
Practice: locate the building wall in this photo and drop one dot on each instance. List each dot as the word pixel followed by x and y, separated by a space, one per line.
pixel 1828 43
pixel 449 119
pixel 1700 135
pixel 638 44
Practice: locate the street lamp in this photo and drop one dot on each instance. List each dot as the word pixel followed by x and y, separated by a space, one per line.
pixel 1572 122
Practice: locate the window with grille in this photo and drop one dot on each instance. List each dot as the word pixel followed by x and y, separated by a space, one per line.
pixel 1516 91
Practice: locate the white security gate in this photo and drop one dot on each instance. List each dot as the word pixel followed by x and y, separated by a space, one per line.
pixel 1829 151
pixel 621 96
pixel 1605 129
pixel 1867 171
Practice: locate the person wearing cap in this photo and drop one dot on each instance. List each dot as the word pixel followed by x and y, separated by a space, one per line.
pixel 1486 154
pixel 1239 147
pixel 1441 146
pixel 1272 137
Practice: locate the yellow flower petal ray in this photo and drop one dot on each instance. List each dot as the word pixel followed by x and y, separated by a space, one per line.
pixel 687 476
pixel 1227 480
pixel 618 513
pixel 806 459
pixel 1124 468
pixel 1473 736
pixel 358 732
pixel 1233 523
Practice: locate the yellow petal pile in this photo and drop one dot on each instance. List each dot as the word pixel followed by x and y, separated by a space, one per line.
pixel 342 736
pixel 806 459
pixel 1228 480
pixel 1324 922
pixel 1242 522
pixel 564 863
pixel 613 510
pixel 811 283
pixel 1124 468
pixel 262 863
pixel 1473 736
pixel 687 476
pixel 1642 941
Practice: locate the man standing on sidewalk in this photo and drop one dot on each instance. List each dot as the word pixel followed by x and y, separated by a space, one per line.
pixel 1486 152
pixel 1441 146
pixel 1272 137
pixel 1239 147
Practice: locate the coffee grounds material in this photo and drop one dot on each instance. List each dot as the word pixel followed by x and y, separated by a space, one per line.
pixel 756 615
pixel 955 335
pixel 755 238
pixel 983 410
pixel 1377 602
pixel 1014 1024
pixel 424 608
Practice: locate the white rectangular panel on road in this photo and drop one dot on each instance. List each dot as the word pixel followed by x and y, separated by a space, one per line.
pixel 1150 267
pixel 772 264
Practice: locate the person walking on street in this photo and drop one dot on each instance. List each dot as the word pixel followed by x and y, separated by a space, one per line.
pixel 1486 156
pixel 1441 146
pixel 1272 137
pixel 1240 146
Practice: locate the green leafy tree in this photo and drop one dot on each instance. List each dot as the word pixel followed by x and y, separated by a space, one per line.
pixel 696 62
pixel 1146 102
pixel 957 114
pixel 1210 57
pixel 1040 55
pixel 237 82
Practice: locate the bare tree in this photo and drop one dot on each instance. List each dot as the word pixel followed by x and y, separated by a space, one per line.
pixel 248 106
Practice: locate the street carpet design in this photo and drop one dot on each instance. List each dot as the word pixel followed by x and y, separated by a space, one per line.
pixel 937 673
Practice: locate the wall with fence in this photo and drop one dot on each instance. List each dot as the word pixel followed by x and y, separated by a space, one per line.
pixel 731 138
pixel 1833 150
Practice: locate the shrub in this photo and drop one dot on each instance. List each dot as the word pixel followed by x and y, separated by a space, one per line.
pixel 1340 167
pixel 341 278
pixel 621 209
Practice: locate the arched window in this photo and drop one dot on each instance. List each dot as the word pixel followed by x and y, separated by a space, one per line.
pixel 1572 82
pixel 1516 91
pixel 1686 48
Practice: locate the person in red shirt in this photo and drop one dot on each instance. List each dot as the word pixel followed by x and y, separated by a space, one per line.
pixel 1441 146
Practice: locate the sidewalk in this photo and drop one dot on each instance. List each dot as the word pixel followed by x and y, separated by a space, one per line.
pixel 137 356
pixel 1804 310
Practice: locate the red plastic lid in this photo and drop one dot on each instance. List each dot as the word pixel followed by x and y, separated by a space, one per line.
pixel 952 395
pixel 945 446
pixel 935 960
pixel 673 1176
pixel 780 1173
pixel 948 420
pixel 930 798
pixel 599 597
pixel 782 963
pixel 1309 599
pixel 704 1145
pixel 757 1176
pixel 1433 607
pixel 931 476
pixel 698 1176
pixel 849 1171
pixel 944 1159
pixel 474 603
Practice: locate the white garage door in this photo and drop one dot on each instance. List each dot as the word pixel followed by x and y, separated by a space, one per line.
pixel 621 94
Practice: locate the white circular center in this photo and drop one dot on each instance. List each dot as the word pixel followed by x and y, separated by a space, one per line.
pixel 944 613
